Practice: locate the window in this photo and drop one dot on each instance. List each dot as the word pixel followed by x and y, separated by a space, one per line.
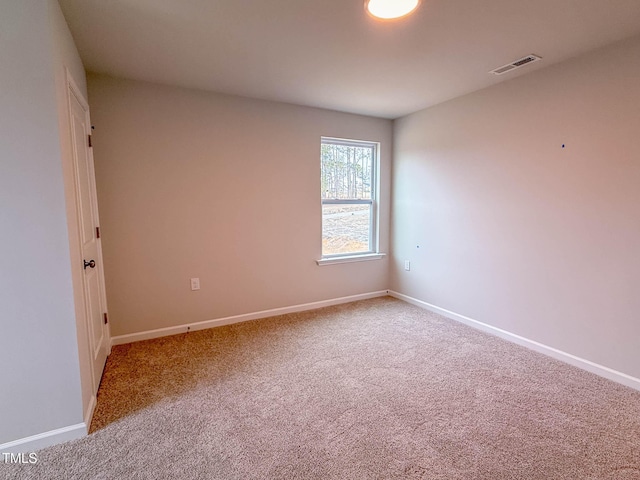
pixel 349 191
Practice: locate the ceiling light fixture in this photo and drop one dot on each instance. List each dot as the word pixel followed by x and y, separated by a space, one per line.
pixel 390 9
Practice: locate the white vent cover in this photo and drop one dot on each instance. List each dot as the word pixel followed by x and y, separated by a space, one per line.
pixel 517 64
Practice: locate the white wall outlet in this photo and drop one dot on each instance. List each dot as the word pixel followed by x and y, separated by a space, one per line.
pixel 407 265
pixel 195 284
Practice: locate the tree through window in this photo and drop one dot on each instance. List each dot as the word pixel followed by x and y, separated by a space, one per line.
pixel 348 184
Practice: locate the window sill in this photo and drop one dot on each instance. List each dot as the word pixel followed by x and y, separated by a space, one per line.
pixel 350 258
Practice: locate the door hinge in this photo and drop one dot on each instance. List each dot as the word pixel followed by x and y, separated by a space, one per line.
pixel 97 232
pixel 106 319
pixel 89 140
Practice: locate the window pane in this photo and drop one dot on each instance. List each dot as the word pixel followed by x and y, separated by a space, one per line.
pixel 345 229
pixel 347 171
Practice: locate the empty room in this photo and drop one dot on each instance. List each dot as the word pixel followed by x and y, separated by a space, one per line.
pixel 348 239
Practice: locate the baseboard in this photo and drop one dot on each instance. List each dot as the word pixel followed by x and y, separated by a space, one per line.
pixel 46 439
pixel 582 363
pixel 190 327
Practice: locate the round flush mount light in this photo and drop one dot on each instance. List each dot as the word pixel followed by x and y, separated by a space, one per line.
pixel 390 9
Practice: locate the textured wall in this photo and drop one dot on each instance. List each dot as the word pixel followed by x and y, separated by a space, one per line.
pixel 504 225
pixel 38 345
pixel 227 189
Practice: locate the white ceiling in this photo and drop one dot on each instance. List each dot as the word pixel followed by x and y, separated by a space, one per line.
pixel 330 53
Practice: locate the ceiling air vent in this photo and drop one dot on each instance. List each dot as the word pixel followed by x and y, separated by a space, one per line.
pixel 517 64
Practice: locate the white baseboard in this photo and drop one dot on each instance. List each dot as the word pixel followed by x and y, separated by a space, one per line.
pixel 587 365
pixel 163 332
pixel 46 439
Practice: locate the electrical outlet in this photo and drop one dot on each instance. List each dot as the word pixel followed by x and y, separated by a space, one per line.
pixel 407 265
pixel 195 284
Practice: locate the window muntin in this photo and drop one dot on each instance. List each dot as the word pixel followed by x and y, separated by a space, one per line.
pixel 348 191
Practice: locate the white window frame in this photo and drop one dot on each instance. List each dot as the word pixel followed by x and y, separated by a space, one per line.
pixel 372 253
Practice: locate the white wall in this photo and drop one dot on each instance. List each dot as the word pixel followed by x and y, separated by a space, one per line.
pixel 227 189
pixel 38 350
pixel 503 225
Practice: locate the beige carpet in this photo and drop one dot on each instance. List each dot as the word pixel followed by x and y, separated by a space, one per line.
pixel 374 389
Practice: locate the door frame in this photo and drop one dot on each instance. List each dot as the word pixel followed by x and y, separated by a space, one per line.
pixel 75 229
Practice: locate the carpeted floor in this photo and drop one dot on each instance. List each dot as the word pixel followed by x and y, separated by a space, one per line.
pixel 374 389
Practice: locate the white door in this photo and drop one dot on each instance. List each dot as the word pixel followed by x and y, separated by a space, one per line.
pixel 87 205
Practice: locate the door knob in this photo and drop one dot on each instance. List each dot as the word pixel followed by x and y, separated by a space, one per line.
pixel 90 263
